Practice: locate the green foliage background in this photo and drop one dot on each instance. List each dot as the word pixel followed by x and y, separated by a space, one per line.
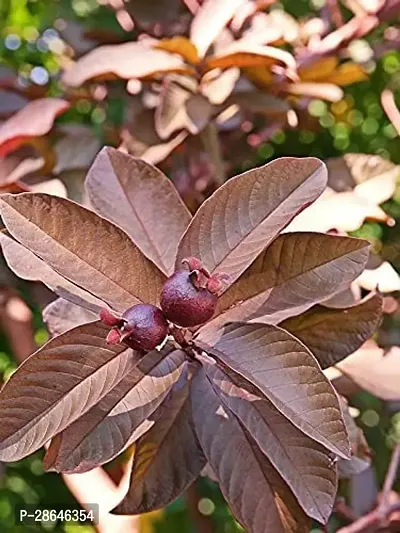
pixel 357 124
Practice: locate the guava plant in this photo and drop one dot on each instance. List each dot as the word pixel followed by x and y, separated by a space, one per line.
pixel 199 339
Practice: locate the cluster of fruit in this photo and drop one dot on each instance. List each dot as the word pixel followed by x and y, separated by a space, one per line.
pixel 188 298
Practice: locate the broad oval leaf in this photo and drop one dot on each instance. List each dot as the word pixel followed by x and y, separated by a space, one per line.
pixel 107 429
pixel 84 248
pixel 374 370
pixel 343 211
pixel 167 459
pixel 257 495
pixel 333 334
pixel 325 91
pixel 62 315
pixel 33 120
pixel 297 271
pixel 244 53
pixel 30 267
pixel 304 464
pixel 126 61
pixel 56 385
pixel 142 201
pixel 283 369
pixel 244 215
pixel 210 19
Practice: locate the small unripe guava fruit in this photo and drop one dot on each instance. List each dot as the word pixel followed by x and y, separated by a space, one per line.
pixel 185 304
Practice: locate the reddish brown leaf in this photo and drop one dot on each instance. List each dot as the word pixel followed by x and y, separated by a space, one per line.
pixel 28 266
pixel 62 315
pixel 242 470
pixel 283 369
pixel 117 420
pixel 325 91
pixel 210 19
pixel 374 370
pixel 243 53
pixel 126 61
pixel 56 385
pixel 167 458
pixel 304 464
pixel 244 215
pixel 33 120
pixel 142 201
pixel 333 334
pixel 297 271
pixel 71 240
pixel 10 102
pixel 198 110
pixel 260 102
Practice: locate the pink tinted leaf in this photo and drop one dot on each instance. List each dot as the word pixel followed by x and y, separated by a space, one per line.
pixel 167 459
pixel 375 370
pixel 34 120
pixel 241 468
pixel 62 315
pixel 84 248
pixel 210 19
pixel 117 420
pixel 142 201
pixel 56 385
pixel 333 334
pixel 243 216
pixel 297 271
pixel 28 266
pixel 324 91
pixel 126 61
pixel 294 455
pixel 283 369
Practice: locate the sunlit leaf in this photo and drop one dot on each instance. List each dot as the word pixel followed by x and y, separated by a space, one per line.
pixel 56 385
pixel 244 215
pixel 210 20
pixel 297 271
pixel 126 61
pixel 33 120
pixel 297 457
pixel 67 237
pixel 374 370
pixel 283 369
pixel 181 46
pixel 116 421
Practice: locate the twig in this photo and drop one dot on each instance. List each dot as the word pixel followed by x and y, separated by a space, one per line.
pixel 380 514
pixel 389 105
pixel 335 13
pixel 210 140
pixel 390 476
